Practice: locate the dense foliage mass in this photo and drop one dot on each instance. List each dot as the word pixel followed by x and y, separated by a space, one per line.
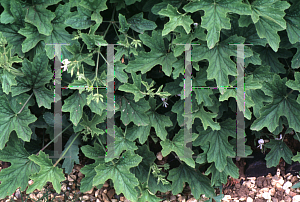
pixel 149 66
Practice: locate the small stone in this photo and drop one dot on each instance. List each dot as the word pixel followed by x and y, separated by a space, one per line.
pixel 265 183
pixel 266 195
pixel 71 178
pixel 111 193
pixel 106 184
pixel 226 197
pixel 242 199
pixel 287 191
pixel 30 182
pixel 287 199
pixel 278 185
pixel 159 156
pixel 97 200
pixel 114 200
pixel 287 185
pixel 294 179
pixel 90 192
pixel 39 195
pixel 192 200
pixel 97 193
pixel 64 187
pixel 296 198
pixel 272 191
pixel 122 198
pixel 249 199
pixel 274 200
pixel 172 198
pixel 85 197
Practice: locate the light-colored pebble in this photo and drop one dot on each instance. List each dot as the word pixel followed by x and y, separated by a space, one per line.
pixel 296 198
pixel 249 199
pixel 287 185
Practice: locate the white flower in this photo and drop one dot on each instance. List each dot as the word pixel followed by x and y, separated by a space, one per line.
pixel 196 24
pixel 65 62
pixel 279 138
pixel 165 102
pixel 260 142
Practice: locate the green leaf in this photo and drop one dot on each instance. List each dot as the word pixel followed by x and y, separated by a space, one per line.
pixel 80 19
pixel 124 181
pixel 74 104
pixel 139 24
pixel 71 156
pixel 159 122
pixel 278 149
pixel 281 105
pixel 93 41
pixel 40 17
pixel 134 88
pixel 295 60
pixel 36 76
pixel 10 120
pixel 140 132
pixel 206 118
pixel 18 12
pixel 198 182
pixel 17 155
pixel 269 57
pixel 10 32
pixel 268 19
pixel 177 145
pixel 158 55
pixel 6 17
pixel 220 64
pixel 8 80
pixel 163 5
pixel 129 2
pixel 96 153
pixel 219 147
pixel 295 85
pixel 176 19
pixel 297 157
pixel 119 72
pixel 134 111
pixel 123 23
pixel 47 173
pixel 215 17
pixel 218 178
pixel 178 108
pixel 120 144
pixel 185 38
pixel 32 37
pixel 90 126
pixel 292 19
pixel 94 5
pixel 148 196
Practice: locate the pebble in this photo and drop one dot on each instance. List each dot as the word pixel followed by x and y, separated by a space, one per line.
pixel 287 185
pixel 172 198
pixel 249 199
pixel 296 198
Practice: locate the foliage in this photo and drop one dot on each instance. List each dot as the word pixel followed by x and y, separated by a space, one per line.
pixel 149 65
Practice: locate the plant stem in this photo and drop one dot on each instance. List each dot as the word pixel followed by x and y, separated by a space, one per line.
pixel 25 103
pixel 66 150
pixel 177 157
pixel 101 144
pixel 149 175
pixel 54 138
pixel 112 19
